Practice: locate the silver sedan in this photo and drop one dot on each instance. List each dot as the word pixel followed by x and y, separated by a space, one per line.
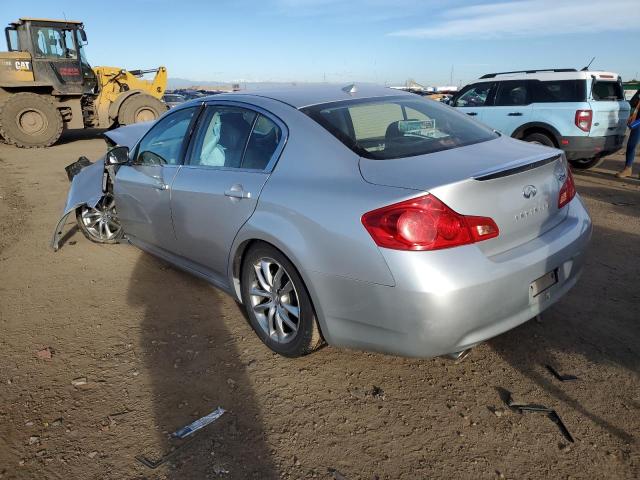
pixel 361 216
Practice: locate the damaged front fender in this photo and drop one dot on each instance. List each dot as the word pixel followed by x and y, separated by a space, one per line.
pixel 87 188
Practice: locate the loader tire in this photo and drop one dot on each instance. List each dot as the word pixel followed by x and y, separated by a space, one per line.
pixel 29 120
pixel 140 108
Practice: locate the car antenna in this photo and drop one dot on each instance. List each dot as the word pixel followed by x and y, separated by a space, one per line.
pixel 585 69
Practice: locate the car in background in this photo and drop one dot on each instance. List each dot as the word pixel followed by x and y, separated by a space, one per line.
pixel 367 217
pixel 584 113
pixel 173 100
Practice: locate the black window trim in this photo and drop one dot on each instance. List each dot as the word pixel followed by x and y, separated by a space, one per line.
pixel 247 106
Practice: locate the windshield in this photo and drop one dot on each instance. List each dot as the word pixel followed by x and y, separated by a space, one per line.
pixel 394 127
pixel 54 42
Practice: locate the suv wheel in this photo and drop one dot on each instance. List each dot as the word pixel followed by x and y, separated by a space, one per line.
pixel 540 139
pixel 585 163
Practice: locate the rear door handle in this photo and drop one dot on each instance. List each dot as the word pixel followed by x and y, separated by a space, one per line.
pixel 236 191
pixel 515 114
pixel 472 114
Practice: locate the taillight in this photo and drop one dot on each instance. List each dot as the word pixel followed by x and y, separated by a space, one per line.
pixel 567 191
pixel 425 223
pixel 583 119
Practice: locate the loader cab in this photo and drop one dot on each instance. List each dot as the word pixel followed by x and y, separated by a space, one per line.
pixel 57 53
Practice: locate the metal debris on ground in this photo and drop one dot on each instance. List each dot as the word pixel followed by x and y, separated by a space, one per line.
pixel 505 395
pixel 181 434
pixel 153 464
pixel 198 424
pixel 336 474
pixel 562 378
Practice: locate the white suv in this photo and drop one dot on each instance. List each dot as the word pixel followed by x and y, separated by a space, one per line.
pixel 582 112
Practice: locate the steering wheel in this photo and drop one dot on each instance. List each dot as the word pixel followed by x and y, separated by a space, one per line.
pixel 150 158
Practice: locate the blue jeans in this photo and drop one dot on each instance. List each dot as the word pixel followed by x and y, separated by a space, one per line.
pixel 632 143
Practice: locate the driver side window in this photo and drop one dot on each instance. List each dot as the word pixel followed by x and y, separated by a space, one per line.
pixel 163 144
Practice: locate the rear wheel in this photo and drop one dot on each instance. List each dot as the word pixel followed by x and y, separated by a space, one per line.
pixel 585 163
pixel 277 303
pixel 30 120
pixel 540 139
pixel 100 224
pixel 140 108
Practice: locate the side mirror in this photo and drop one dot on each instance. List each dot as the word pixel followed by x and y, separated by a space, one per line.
pixel 83 35
pixel 117 156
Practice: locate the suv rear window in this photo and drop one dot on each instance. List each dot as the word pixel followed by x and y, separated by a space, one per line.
pixel 559 91
pixel 607 90
pixel 394 127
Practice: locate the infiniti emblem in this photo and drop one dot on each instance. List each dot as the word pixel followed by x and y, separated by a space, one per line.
pixel 529 191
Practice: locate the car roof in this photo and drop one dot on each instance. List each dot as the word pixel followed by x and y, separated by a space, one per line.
pixel 300 96
pixel 549 75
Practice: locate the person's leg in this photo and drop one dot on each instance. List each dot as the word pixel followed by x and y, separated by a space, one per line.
pixel 632 143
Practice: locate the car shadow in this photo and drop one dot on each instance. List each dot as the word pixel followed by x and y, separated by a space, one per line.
pixel 595 323
pixel 69 136
pixel 193 367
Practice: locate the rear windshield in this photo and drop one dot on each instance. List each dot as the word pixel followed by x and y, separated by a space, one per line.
pixel 394 127
pixel 559 91
pixel 607 90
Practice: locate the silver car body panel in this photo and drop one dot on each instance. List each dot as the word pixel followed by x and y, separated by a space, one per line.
pixel 413 303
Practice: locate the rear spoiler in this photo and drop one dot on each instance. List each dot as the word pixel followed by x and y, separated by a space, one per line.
pixel 513 169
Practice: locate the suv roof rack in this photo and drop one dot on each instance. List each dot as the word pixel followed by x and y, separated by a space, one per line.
pixel 492 75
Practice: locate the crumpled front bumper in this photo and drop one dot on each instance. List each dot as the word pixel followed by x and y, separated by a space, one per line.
pixel 87 188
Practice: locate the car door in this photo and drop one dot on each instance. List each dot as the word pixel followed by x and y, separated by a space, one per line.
pixel 142 188
pixel 473 99
pixel 511 107
pixel 230 158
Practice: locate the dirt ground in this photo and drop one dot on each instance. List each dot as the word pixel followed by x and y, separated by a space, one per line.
pixel 139 349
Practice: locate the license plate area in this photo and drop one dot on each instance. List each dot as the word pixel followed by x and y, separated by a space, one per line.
pixel 543 283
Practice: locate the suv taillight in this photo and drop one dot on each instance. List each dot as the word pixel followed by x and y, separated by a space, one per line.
pixel 583 119
pixel 425 223
pixel 567 191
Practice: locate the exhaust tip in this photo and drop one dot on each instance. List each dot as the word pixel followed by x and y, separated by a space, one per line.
pixel 459 356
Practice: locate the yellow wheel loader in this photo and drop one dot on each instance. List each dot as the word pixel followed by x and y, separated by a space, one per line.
pixel 47 85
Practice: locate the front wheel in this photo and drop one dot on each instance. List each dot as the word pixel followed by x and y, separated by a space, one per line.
pixel 277 303
pixel 100 224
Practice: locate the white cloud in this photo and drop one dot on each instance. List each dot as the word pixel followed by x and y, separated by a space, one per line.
pixel 530 18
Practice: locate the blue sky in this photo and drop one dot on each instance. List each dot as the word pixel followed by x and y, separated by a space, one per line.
pixel 378 41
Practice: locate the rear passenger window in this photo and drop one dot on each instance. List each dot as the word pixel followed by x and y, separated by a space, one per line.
pixel 513 92
pixel 559 91
pixel 263 143
pixel 607 91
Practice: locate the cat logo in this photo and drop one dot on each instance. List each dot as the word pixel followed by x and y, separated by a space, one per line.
pixel 23 65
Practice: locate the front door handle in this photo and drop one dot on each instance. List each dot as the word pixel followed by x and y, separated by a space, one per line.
pixel 236 191
pixel 515 114
pixel 161 186
pixel 472 114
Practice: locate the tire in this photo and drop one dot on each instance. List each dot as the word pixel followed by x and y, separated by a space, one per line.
pixel 585 163
pixel 29 120
pixel 100 223
pixel 541 139
pixel 140 108
pixel 276 325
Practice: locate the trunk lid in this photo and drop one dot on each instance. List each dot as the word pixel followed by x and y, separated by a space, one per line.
pixel 515 183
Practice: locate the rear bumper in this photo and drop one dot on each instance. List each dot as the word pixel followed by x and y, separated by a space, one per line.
pixel 588 147
pixel 448 300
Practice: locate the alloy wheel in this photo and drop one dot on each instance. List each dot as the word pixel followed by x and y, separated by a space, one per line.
pixel 274 300
pixel 101 221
